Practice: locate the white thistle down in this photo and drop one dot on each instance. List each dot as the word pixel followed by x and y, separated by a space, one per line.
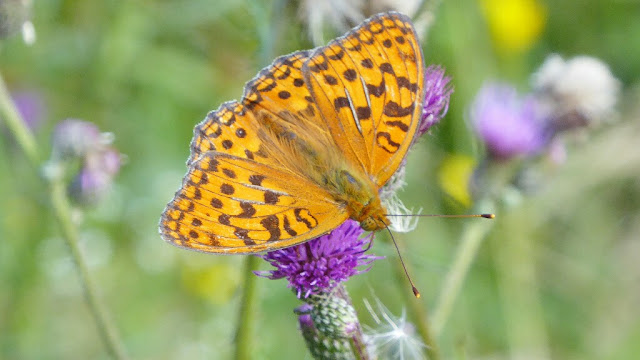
pixel 393 204
pixel 28 33
pixel 401 224
pixel 340 14
pixel 395 337
pixel 583 85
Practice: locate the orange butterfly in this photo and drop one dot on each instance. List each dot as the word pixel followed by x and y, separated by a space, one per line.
pixel 313 139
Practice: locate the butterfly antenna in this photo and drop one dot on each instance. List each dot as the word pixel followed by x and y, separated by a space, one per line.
pixel 371 237
pixel 413 286
pixel 486 216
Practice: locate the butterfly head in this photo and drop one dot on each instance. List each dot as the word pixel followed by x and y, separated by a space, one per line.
pixel 374 223
pixel 372 216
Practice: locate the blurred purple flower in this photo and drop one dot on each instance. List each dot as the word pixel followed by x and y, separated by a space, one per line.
pixel 436 99
pixel 509 125
pixel 89 185
pixel 96 176
pixel 75 138
pixel 30 106
pixel 108 161
pixel 320 264
pixel 77 141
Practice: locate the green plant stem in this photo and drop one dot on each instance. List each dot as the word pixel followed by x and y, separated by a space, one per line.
pixel 356 341
pixel 246 314
pixel 62 212
pixel 517 279
pixel 472 238
pixel 106 328
pixel 17 126
pixel 416 309
pixel 358 348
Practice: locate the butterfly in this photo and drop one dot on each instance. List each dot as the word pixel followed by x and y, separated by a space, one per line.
pixel 314 138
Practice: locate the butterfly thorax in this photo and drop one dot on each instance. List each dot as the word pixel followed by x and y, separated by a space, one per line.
pixel 361 200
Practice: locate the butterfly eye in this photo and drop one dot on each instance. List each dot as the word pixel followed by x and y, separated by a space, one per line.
pixel 348 177
pixel 369 224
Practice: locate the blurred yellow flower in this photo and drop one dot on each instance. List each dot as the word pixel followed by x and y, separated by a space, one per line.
pixel 515 25
pixel 216 283
pixel 454 175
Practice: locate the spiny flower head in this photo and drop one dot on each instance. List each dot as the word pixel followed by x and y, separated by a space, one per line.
pixel 330 326
pixel 320 264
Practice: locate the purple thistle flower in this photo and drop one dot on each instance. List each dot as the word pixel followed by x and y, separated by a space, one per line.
pixel 509 125
pixel 320 264
pixel 436 98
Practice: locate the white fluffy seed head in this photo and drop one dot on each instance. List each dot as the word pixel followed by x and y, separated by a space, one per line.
pixel 393 337
pixel 582 85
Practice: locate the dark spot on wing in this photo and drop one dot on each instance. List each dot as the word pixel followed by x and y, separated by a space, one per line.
pixel 224 219
pixel 216 203
pixel 340 102
pixel 227 144
pixel 367 63
pixel 256 179
pixel 270 197
pixel 330 80
pixel 350 74
pixel 247 210
pixel 284 94
pixel 229 173
pixel 227 189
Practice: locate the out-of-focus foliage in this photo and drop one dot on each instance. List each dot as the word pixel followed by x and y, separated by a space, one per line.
pixel 557 277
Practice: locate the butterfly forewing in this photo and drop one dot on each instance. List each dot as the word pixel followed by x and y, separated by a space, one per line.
pixel 230 129
pixel 280 90
pixel 368 86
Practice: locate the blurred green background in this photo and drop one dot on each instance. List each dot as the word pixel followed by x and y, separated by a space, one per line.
pixel 557 277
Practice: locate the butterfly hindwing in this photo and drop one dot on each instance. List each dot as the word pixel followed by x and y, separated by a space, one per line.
pixel 368 86
pixel 229 204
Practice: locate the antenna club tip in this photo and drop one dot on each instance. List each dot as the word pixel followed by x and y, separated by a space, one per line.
pixel 489 216
pixel 416 293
